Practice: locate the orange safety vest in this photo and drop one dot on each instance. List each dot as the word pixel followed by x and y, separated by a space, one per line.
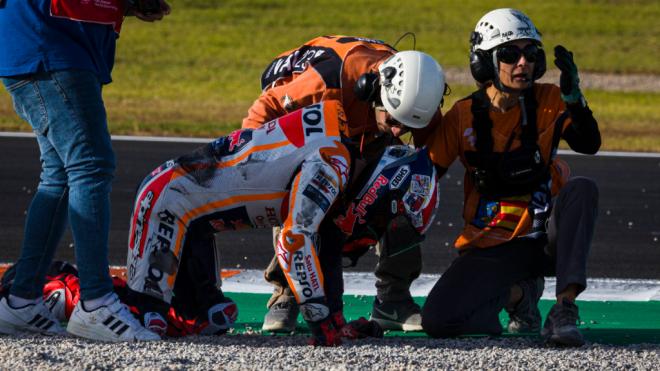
pixel 490 222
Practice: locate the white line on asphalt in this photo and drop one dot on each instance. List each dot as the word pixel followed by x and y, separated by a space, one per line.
pixel 129 138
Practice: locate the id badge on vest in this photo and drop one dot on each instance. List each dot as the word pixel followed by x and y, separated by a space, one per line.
pixel 108 12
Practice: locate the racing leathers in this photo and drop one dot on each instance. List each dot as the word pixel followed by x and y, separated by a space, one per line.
pixel 288 172
pixel 328 67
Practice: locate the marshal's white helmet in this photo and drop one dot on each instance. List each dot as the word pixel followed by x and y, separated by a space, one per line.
pixel 412 86
pixel 503 25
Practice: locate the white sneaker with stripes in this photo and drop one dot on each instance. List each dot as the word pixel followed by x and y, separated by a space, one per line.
pixel 113 322
pixel 29 318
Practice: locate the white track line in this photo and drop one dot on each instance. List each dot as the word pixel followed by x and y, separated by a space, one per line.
pixel 128 138
pixel 599 289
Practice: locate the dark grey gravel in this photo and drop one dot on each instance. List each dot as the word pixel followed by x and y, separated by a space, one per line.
pixel 256 352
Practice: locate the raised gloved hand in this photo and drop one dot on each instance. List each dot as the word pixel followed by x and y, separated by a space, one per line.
pixel 569 81
pixel 222 317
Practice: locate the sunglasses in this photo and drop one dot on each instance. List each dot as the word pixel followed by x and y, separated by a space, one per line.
pixel 510 54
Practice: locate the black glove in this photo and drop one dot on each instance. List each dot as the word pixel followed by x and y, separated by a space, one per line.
pixel 569 81
pixel 147 10
pixel 145 6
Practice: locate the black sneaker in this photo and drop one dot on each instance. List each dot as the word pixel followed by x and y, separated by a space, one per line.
pixel 561 325
pixel 525 316
pixel 282 316
pixel 397 315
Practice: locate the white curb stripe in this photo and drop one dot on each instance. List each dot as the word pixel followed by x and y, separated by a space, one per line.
pixel 599 289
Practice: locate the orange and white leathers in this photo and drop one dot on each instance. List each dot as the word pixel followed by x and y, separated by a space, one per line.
pixel 287 172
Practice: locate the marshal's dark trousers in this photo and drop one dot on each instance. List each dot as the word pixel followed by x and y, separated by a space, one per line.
pixel 469 296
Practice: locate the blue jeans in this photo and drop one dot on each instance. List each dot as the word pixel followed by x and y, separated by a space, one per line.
pixel 66 112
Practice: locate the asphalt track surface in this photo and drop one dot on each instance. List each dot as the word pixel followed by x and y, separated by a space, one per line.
pixel 626 243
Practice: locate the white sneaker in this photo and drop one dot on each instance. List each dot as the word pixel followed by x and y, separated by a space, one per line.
pixel 32 317
pixel 113 322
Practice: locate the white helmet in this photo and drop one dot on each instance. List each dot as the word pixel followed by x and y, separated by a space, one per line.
pixel 412 86
pixel 503 25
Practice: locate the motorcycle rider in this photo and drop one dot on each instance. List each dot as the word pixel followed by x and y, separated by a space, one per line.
pixel 349 69
pixel 293 172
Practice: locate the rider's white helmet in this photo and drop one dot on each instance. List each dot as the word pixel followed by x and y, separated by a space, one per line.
pixel 503 25
pixel 412 86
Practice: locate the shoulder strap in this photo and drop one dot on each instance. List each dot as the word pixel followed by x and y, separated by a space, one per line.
pixel 481 122
pixel 529 133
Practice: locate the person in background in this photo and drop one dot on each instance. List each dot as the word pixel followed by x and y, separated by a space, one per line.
pixel 346 68
pixel 524 217
pixel 56 56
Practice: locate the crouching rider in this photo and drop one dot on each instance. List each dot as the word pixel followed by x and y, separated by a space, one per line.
pixel 288 172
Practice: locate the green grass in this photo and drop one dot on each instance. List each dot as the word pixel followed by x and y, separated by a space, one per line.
pixel 605 322
pixel 197 72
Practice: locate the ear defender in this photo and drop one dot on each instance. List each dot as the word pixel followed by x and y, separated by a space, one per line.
pixel 367 87
pixel 481 66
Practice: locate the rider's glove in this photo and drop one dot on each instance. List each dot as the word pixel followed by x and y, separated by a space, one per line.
pixel 321 323
pixel 569 81
pixel 357 329
pixel 324 333
pixel 361 328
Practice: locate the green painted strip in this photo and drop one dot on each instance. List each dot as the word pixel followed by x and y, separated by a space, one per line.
pixel 601 322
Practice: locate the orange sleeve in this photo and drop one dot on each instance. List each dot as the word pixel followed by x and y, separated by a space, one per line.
pixel 304 90
pixel 420 136
pixel 263 110
pixel 445 140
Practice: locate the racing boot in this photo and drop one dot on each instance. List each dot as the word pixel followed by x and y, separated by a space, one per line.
pixel 282 316
pixel 221 317
pixel 404 315
pixel 525 316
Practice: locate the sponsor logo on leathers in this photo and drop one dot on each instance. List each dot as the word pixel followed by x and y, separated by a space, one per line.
pixel 304 273
pixel 358 212
pixel 162 258
pixel 400 175
pixel 283 257
pixel 314 312
pixel 145 205
pixel 268 221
